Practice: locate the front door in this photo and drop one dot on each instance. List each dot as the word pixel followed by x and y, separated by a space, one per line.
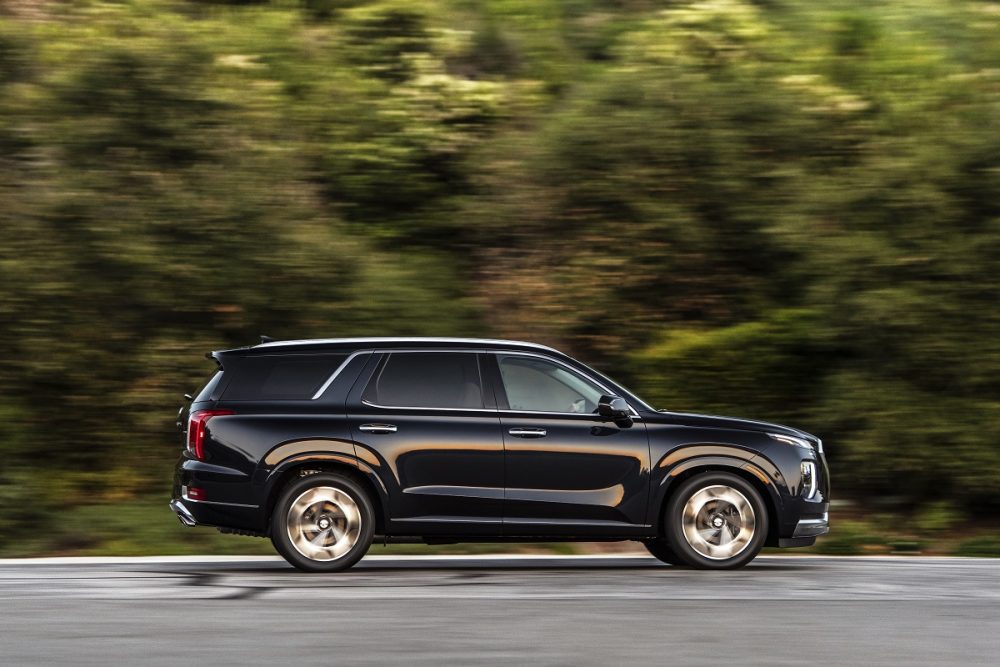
pixel 421 420
pixel 568 472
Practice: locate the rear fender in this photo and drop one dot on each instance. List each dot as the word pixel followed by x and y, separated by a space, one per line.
pixel 320 452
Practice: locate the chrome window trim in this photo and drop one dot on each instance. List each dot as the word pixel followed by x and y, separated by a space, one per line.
pixel 635 415
pixel 591 415
pixel 588 415
pixel 340 368
pixel 430 350
pixel 413 407
pixel 601 386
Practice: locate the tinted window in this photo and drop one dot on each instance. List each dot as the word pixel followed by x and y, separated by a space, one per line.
pixel 427 380
pixel 206 392
pixel 289 377
pixel 538 385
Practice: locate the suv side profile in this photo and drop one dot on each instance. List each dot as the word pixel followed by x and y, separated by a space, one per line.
pixel 327 445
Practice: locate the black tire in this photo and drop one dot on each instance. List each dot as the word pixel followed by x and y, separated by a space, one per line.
pixel 326 485
pixel 662 550
pixel 693 554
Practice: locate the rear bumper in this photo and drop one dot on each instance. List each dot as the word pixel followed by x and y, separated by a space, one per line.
pixel 229 497
pixel 220 515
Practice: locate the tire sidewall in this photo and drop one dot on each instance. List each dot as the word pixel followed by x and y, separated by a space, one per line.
pixel 673 521
pixel 662 551
pixel 279 532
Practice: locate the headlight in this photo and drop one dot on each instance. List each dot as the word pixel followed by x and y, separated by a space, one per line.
pixel 791 440
pixel 808 472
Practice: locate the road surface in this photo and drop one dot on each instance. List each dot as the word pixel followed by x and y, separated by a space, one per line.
pixel 499 610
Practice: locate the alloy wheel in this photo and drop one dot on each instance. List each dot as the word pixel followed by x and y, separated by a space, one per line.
pixel 718 522
pixel 323 523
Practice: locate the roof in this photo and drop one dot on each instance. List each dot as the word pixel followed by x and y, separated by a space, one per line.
pixel 384 342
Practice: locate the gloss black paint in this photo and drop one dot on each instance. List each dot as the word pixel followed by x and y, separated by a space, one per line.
pixel 460 474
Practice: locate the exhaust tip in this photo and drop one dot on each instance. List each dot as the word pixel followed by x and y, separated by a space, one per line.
pixel 183 514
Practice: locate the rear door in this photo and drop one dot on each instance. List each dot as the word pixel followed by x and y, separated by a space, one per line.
pixel 424 421
pixel 568 472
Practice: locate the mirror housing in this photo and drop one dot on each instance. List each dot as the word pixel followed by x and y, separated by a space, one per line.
pixel 614 408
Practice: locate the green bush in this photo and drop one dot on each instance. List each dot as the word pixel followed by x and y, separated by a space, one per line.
pixel 788 211
pixel 849 538
pixel 982 546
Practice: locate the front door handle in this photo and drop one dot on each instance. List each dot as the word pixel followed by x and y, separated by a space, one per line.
pixel 527 432
pixel 378 428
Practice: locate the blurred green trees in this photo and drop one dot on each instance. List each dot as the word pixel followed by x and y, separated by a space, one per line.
pixel 783 210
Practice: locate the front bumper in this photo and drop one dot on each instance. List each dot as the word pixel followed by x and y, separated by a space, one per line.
pixel 806 531
pixel 813 527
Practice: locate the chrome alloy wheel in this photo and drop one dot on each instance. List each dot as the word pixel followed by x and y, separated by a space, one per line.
pixel 718 522
pixel 323 523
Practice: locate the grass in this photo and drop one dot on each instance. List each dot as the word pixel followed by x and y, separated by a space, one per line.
pixel 983 545
pixel 147 527
pixel 934 533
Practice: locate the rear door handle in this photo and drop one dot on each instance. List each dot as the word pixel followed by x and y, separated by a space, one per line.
pixel 378 428
pixel 527 432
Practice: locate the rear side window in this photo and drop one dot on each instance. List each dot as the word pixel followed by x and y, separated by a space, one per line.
pixel 275 378
pixel 427 380
pixel 205 393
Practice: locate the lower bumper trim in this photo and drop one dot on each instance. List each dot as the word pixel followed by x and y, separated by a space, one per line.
pixel 812 527
pixel 787 542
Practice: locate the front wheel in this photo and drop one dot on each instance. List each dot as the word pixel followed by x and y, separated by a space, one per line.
pixel 716 521
pixel 323 523
pixel 659 548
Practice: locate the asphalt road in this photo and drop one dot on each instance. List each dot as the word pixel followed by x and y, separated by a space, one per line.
pixel 468 610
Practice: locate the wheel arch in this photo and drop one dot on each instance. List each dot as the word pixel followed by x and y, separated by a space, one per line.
pixel 303 465
pixel 748 470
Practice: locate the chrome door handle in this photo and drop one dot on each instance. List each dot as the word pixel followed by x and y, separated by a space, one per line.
pixel 527 432
pixel 378 428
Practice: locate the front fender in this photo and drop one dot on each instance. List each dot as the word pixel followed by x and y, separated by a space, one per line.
pixel 678 462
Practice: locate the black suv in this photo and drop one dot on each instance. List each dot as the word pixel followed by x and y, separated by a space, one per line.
pixel 325 445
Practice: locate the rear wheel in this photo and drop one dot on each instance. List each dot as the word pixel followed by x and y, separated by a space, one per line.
pixel 323 523
pixel 716 521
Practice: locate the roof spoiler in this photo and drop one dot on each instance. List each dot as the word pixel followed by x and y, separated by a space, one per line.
pixel 215 356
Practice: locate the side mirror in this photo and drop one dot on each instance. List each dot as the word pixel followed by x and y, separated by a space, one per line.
pixel 614 408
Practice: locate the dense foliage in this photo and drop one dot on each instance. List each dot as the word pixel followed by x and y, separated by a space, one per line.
pixel 780 209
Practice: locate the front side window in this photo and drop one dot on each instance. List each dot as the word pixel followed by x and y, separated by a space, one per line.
pixel 427 380
pixel 538 385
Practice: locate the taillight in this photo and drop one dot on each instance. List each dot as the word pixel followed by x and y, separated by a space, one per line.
pixel 196 430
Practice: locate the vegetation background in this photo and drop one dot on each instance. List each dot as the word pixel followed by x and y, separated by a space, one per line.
pixel 782 209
